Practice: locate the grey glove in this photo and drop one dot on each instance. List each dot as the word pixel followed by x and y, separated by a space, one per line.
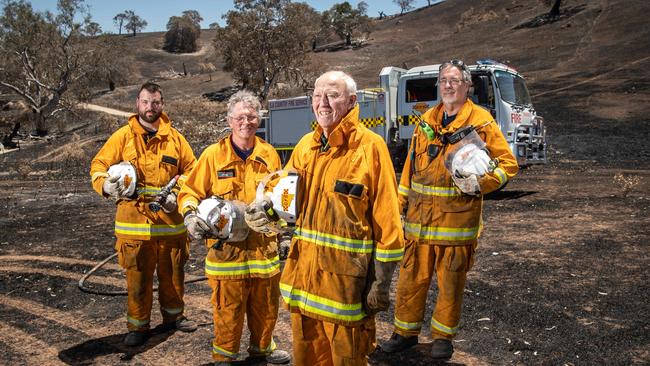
pixel 170 204
pixel 378 298
pixel 196 227
pixel 256 218
pixel 112 186
pixel 468 185
pixel 284 244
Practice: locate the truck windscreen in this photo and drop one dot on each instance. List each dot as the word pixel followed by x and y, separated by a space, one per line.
pixel 512 87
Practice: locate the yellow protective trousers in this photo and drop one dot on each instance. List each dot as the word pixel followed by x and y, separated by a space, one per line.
pixel 140 259
pixel 321 343
pixel 451 264
pixel 256 298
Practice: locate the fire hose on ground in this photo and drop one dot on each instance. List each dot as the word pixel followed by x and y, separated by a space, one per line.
pixel 85 289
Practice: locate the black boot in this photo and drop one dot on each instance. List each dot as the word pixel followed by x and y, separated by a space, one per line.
pixel 442 349
pixel 134 339
pixel 398 343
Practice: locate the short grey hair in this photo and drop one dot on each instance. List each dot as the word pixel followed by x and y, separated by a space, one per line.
pixel 248 98
pixel 460 65
pixel 350 84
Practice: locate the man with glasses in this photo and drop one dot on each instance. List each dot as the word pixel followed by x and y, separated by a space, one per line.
pixel 348 235
pixel 243 275
pixel 148 241
pixel 443 210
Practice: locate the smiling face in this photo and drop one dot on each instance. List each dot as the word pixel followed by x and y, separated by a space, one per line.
pixel 243 120
pixel 149 105
pixel 453 88
pixel 331 101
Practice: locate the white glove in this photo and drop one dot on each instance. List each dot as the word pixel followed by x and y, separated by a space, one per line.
pixel 196 227
pixel 470 160
pixel 112 186
pixel 256 217
pixel 170 204
pixel 468 185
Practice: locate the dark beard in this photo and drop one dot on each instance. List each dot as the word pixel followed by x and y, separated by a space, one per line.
pixel 153 119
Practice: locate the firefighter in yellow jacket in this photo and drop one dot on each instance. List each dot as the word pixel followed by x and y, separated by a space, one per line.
pixel 151 153
pixel 243 274
pixel 441 187
pixel 348 237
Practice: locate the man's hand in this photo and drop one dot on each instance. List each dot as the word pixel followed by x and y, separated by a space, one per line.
pixel 468 185
pixel 256 217
pixel 196 227
pixel 378 298
pixel 170 204
pixel 112 186
pixel 284 244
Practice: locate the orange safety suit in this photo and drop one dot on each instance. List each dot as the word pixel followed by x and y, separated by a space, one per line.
pixel 348 216
pixel 243 275
pixel 148 240
pixel 442 223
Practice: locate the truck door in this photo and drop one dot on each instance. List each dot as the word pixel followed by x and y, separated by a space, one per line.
pixel 416 96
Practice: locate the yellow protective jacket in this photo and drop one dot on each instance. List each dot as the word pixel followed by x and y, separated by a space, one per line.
pixel 221 172
pixel 437 212
pixel 156 162
pixel 348 214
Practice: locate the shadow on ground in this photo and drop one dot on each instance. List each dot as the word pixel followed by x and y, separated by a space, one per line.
pixel 85 353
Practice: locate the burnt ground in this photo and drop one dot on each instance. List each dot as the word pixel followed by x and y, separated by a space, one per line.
pixel 560 276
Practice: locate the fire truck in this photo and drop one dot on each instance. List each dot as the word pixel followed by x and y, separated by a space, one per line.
pixel 392 110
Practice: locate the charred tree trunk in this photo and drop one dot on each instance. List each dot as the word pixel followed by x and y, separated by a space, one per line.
pixel 41 125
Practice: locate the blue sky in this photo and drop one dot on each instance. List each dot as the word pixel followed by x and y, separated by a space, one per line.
pixel 157 13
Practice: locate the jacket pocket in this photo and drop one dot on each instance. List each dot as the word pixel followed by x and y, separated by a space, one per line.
pixel 127 253
pixel 460 204
pixel 346 208
pixel 343 263
pixel 225 189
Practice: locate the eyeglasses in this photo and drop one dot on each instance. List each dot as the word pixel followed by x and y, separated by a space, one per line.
pixel 453 82
pixel 241 119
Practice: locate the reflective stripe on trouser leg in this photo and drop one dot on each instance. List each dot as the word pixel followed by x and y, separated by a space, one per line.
pixel 228 316
pixel 139 283
pixel 171 260
pixel 262 313
pixel 452 264
pixel 412 287
pixel 322 343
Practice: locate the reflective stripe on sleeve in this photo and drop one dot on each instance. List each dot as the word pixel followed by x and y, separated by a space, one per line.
pixel 148 229
pixel 240 268
pixel 389 255
pixel 320 305
pixel 501 176
pixel 403 190
pixel 335 241
pixel 441 233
